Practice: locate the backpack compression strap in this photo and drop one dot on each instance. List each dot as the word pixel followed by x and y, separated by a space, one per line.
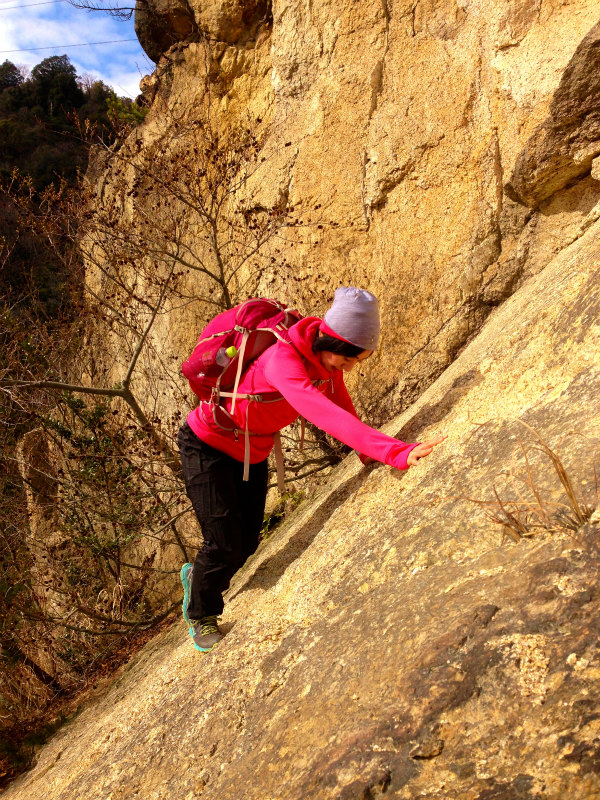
pixel 278 456
pixel 278 450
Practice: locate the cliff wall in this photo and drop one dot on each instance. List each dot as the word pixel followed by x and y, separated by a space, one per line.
pixel 440 151
pixel 445 156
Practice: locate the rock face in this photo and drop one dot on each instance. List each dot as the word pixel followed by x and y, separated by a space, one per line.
pixel 444 155
pixel 385 642
pixel 159 24
pixel 412 137
pixel 564 147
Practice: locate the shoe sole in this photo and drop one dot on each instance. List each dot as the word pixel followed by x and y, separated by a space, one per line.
pixel 204 649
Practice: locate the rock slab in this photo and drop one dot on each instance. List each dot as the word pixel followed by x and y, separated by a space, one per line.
pixel 385 642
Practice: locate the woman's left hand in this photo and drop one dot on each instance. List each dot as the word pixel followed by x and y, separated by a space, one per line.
pixel 422 450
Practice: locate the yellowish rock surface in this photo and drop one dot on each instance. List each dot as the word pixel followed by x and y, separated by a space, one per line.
pixel 385 641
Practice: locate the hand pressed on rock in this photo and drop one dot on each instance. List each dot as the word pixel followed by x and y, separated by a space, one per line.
pixel 422 450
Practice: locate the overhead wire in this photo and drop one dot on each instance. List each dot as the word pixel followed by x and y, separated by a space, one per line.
pixel 4 7
pixel 66 46
pixel 29 5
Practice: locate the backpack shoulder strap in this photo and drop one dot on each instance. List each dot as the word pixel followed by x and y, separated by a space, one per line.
pixel 240 367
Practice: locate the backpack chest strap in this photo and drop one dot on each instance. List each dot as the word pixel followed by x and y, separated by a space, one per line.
pixel 272 397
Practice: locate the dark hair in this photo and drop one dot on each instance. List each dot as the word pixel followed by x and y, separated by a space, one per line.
pixel 333 345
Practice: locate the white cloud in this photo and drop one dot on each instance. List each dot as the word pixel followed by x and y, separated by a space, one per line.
pixel 120 65
pixel 125 83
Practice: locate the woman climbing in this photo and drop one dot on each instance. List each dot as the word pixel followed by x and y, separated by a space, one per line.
pixel 307 372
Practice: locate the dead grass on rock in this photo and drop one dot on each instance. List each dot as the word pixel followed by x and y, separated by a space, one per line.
pixel 530 510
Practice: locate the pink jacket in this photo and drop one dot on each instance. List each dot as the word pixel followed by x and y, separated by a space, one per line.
pixel 307 390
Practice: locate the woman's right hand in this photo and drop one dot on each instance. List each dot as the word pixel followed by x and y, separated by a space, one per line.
pixel 422 450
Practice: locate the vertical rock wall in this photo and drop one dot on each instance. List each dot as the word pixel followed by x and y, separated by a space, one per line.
pixel 409 134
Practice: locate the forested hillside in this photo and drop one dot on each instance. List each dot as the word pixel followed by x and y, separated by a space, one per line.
pixel 49 120
pixel 42 115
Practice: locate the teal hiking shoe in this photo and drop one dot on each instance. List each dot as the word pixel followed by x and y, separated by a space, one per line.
pixel 186 581
pixel 204 632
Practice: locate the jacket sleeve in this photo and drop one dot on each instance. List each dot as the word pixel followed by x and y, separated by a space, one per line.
pixel 342 398
pixel 286 372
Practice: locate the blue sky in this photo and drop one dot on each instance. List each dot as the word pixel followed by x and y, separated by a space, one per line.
pixel 26 24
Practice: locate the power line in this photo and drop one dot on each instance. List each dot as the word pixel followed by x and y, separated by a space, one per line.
pixel 4 7
pixel 29 5
pixel 66 46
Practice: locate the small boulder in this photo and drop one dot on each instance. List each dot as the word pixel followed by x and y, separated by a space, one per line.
pixel 159 24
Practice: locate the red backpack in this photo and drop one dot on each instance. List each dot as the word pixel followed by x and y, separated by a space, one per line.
pixel 231 341
pixel 227 346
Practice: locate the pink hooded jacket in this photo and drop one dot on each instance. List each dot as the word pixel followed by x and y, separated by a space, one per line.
pixel 307 390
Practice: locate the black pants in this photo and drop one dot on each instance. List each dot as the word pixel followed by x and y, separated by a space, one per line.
pixel 230 511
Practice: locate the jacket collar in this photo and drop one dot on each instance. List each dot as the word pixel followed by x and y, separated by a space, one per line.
pixel 302 335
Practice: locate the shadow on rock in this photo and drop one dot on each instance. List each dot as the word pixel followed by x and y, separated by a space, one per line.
pixel 267 572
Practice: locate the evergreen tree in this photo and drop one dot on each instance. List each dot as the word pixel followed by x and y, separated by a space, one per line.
pixel 39 137
pixel 54 85
pixel 10 76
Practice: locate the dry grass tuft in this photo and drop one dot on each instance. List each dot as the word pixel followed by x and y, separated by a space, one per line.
pixel 532 512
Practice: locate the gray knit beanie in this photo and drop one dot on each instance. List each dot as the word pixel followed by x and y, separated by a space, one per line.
pixel 354 317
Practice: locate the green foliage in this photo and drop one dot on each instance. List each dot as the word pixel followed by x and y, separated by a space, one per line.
pixel 53 86
pixel 43 733
pixel 102 504
pixel 285 505
pixel 35 115
pixel 53 67
pixel 10 76
pixel 123 110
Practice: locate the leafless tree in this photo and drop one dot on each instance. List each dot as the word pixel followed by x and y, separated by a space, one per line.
pixel 94 519
pixel 113 8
